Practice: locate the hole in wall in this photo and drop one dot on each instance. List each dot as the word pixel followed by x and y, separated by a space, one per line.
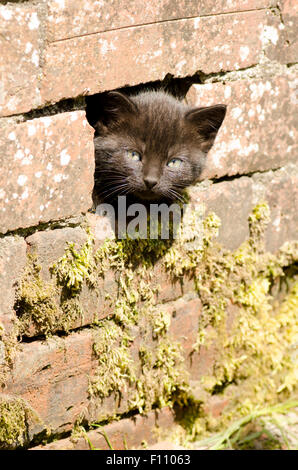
pixel 138 139
pixel 177 87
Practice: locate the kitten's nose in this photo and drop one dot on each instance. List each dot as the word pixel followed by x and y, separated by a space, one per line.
pixel 150 181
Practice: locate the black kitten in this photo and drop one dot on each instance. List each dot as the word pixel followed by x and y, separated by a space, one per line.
pixel 151 145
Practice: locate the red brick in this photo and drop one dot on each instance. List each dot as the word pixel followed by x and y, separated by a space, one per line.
pixel 259 131
pixel 12 262
pixel 124 434
pixel 207 7
pixel 52 377
pixel 140 54
pixel 234 200
pixel 215 406
pixel 19 61
pixel 47 157
pixel 69 18
pixel 282 43
pixel 50 245
pixel 168 289
pixel 185 314
pixel 290 18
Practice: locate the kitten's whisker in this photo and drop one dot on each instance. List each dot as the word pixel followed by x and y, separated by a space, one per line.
pixel 104 171
pixel 177 191
pixel 176 195
pixel 118 188
pixel 168 195
pixel 114 184
pixel 123 192
pixel 109 192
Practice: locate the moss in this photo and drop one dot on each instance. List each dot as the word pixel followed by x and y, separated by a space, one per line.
pixel 15 418
pixel 254 347
pixel 255 354
pixel 162 380
pixel 115 366
pixel 54 305
pixel 255 350
pixel 8 349
pixel 36 300
pixel 154 370
pixel 75 267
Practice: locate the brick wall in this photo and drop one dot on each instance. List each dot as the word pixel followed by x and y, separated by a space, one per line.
pixel 54 53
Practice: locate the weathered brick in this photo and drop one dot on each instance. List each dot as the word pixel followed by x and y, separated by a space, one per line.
pixel 12 262
pixel 290 18
pixel 124 434
pixel 184 317
pixel 47 158
pixel 207 7
pixel 166 445
pixel 233 201
pixel 52 376
pixel 140 54
pixel 19 60
pixel 259 131
pixel 168 289
pixel 68 18
pixel 100 227
pixel 49 247
pixel 185 314
pixel 282 43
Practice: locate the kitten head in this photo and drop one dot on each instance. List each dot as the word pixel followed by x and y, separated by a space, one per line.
pixel 151 145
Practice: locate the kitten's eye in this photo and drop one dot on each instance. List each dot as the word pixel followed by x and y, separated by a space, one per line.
pixel 174 163
pixel 133 155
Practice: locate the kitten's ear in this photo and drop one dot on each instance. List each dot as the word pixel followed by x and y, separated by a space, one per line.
pixel 115 108
pixel 207 122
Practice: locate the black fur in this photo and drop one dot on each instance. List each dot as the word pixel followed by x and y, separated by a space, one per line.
pixel 159 128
